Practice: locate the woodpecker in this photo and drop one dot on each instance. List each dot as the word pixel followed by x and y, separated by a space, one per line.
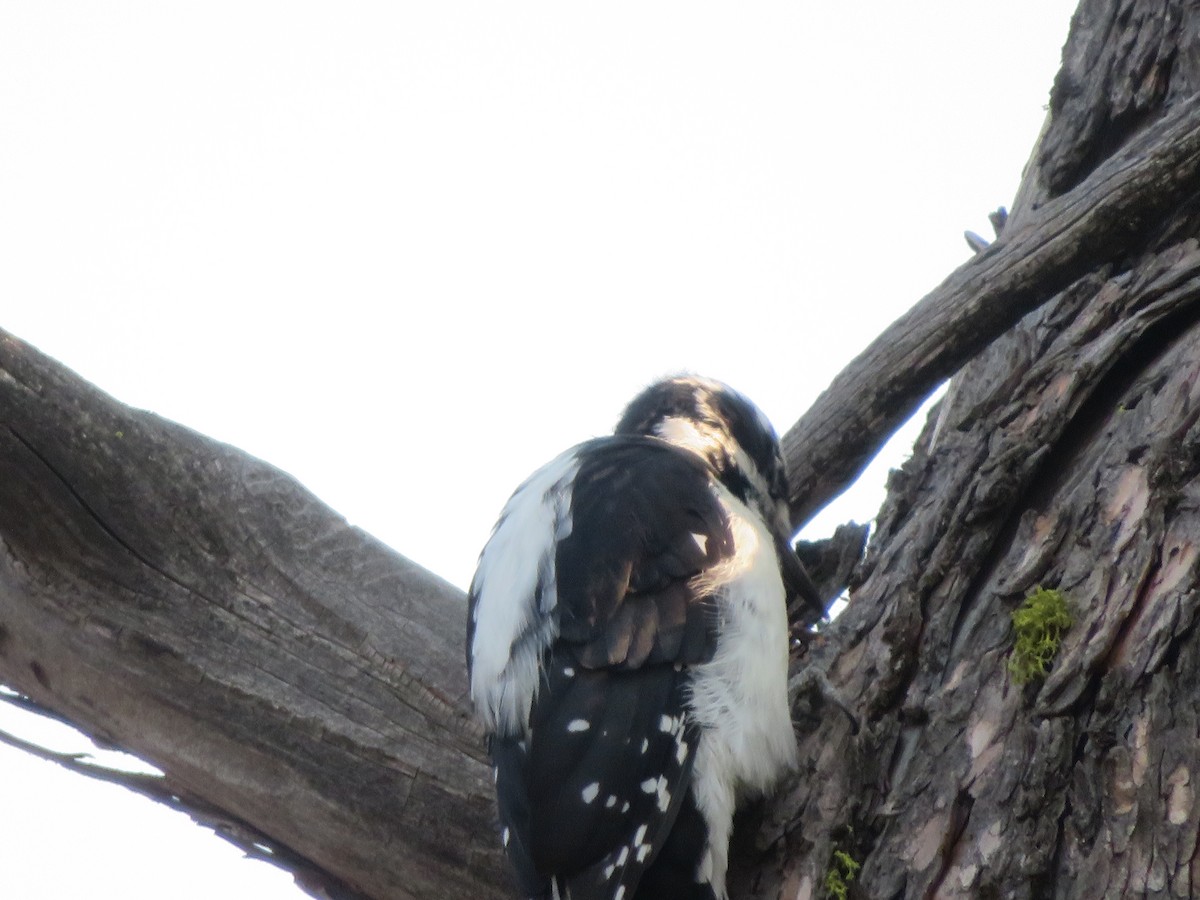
pixel 627 647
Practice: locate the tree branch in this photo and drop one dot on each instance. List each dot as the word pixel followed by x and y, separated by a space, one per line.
pixel 1029 263
pixel 174 597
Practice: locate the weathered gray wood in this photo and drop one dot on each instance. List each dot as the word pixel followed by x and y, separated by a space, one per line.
pixel 179 599
pixel 1035 258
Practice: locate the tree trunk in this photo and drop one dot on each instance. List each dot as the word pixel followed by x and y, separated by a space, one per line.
pixel 1066 456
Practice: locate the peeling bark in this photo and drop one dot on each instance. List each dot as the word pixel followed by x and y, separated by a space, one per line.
pixel 1066 455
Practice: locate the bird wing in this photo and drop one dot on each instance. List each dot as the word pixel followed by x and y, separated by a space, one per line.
pixel 590 793
pixel 644 524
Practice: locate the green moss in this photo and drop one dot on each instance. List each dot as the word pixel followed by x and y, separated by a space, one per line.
pixel 842 869
pixel 1039 623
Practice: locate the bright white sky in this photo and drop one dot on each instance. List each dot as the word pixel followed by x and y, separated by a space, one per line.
pixel 409 251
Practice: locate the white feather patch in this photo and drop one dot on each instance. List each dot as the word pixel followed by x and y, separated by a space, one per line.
pixel 511 628
pixel 739 698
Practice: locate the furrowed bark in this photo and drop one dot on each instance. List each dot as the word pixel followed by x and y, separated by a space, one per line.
pixel 1067 456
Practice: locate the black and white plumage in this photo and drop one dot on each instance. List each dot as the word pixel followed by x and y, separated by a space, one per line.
pixel 628 648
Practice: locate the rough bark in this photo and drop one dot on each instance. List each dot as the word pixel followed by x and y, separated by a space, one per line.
pixel 1066 455
pixel 300 684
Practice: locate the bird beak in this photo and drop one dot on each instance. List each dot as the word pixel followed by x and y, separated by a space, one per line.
pixel 796 578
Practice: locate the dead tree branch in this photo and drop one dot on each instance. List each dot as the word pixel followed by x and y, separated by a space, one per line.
pixel 179 599
pixel 1105 216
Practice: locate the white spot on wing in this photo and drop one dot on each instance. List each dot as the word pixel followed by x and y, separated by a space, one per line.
pixel 578 725
pixel 590 792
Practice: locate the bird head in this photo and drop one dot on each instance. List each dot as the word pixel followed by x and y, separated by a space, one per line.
pixel 731 434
